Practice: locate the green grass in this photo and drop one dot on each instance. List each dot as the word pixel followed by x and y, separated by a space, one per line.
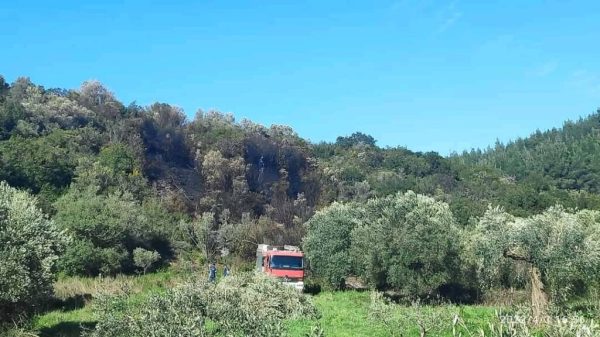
pixel 69 287
pixel 346 314
pixel 64 323
pixel 342 313
pixel 73 312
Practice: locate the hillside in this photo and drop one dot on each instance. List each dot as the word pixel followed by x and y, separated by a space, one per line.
pixel 567 158
pixel 54 139
pixel 123 189
pixel 525 176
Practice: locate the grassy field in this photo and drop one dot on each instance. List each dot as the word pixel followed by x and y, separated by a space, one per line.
pixel 342 313
pixel 347 314
pixel 73 311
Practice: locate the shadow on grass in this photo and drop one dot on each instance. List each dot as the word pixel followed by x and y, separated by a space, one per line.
pixel 68 304
pixel 67 329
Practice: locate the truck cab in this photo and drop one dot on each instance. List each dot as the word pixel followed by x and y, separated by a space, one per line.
pixel 285 263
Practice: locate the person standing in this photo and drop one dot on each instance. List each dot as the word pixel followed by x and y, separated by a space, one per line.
pixel 212 272
pixel 225 271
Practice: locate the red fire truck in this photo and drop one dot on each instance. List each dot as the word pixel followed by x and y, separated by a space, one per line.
pixel 285 263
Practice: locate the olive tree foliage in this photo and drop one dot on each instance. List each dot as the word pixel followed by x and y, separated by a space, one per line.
pixel 327 242
pixel 225 179
pixel 255 305
pixel 242 238
pixel 144 259
pixel 202 234
pixel 561 249
pixel 485 250
pixel 408 242
pixel 241 305
pixel 29 248
pixel 176 312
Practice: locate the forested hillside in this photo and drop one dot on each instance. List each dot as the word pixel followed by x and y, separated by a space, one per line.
pixel 215 183
pixel 525 176
pixel 119 177
pixel 566 158
pixel 92 187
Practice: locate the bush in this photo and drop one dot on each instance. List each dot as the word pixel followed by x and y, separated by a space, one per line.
pixel 144 259
pixel 83 258
pixel 107 228
pixel 241 305
pixel 29 248
pixel 118 158
pixel 177 312
pixel 256 305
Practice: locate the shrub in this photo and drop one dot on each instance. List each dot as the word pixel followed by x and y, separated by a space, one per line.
pixel 83 258
pixel 29 248
pixel 107 228
pixel 177 312
pixel 144 259
pixel 241 305
pixel 255 305
pixel 118 158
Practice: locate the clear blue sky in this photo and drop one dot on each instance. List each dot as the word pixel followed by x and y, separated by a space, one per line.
pixel 429 75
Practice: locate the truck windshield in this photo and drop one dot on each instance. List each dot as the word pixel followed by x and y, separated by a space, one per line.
pixel 286 262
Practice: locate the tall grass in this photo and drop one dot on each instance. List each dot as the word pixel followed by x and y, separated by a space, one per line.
pixel 69 287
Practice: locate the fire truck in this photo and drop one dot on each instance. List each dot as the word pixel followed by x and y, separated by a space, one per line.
pixel 285 263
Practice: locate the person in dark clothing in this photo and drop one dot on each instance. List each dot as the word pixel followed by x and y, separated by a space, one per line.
pixel 212 272
pixel 226 271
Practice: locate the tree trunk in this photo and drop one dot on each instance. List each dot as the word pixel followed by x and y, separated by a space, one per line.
pixel 539 298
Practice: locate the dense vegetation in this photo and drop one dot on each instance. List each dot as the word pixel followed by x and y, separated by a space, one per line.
pixel 244 305
pixel 407 242
pixel 29 247
pixel 93 187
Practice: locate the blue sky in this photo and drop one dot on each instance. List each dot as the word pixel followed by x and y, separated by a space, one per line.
pixel 428 75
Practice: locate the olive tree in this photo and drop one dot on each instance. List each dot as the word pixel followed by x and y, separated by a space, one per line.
pixel 144 259
pixel 408 242
pixel 29 248
pixel 202 234
pixel 560 248
pixel 485 251
pixel 327 243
